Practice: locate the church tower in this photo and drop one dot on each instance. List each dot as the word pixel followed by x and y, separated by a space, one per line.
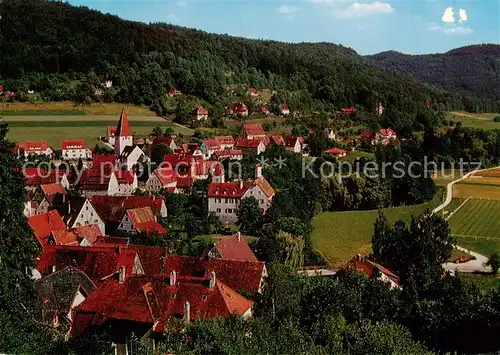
pixel 123 136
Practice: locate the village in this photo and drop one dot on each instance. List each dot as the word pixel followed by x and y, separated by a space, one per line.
pixel 86 227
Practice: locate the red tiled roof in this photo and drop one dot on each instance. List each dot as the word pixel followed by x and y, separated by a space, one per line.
pixel 183 182
pixel 125 177
pixel 123 127
pixel 44 224
pixel 99 159
pixel 368 267
pixel 239 275
pixel 211 143
pixel 165 175
pixel 291 141
pixel 367 135
pixel 224 139
pixel 91 232
pixel 113 242
pixel 31 146
pixel 228 189
pixel 284 107
pixel 161 140
pixel 52 189
pixel 263 109
pixel 97 263
pixel 239 108
pixel 39 176
pixel 153 300
pixel 228 153
pixel 64 237
pixel 128 202
pixel 144 220
pixel 201 111
pixel 253 130
pixel 278 140
pixel 235 248
pixel 335 151
pixel 387 132
pixel 74 144
pixel 111 131
pixel 248 143
pixel 348 110
pixel 253 91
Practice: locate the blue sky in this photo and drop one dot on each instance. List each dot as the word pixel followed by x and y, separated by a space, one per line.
pixel 409 26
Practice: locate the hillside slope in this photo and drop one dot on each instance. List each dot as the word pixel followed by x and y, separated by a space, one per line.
pixel 46 46
pixel 471 70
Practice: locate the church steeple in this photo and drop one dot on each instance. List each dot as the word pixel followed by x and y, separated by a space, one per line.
pixel 123 135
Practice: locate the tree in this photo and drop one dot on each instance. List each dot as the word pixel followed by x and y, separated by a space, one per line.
pixel 157 131
pixel 292 249
pixel 415 251
pixel 169 131
pixel 249 216
pixel 159 153
pixel 494 262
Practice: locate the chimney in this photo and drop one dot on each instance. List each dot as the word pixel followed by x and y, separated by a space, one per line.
pixel 238 235
pixel 187 312
pixel 69 206
pixel 258 171
pixel 212 279
pixel 173 278
pixel 121 274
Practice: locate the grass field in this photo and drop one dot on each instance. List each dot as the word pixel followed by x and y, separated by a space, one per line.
pixel 482 188
pixel 477 226
pixel 338 236
pixel 69 108
pixel 482 121
pixel 54 129
pixel 484 281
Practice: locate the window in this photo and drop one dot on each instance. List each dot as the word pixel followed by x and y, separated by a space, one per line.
pixel 218 210
pixel 132 343
pixel 87 208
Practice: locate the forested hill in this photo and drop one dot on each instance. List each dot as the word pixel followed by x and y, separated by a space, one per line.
pixel 472 69
pixel 65 52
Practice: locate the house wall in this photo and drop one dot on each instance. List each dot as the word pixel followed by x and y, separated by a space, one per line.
pixel 134 158
pixel 256 191
pixel 122 142
pixel 76 153
pixel 88 216
pixel 224 208
pixel 125 224
pixel 43 207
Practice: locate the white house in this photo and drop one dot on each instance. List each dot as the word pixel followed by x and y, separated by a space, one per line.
pixel 284 109
pixel 77 212
pixel 95 182
pixel 32 148
pixel 201 113
pixel 224 198
pixel 294 144
pixel 75 149
pixel 162 178
pixel 379 108
pixel 330 134
pixel 225 142
pixel 384 136
pixel 132 155
pixel 209 147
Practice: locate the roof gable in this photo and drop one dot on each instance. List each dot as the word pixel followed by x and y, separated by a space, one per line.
pixel 235 248
pixel 123 127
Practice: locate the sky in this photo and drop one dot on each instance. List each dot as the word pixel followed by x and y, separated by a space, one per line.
pixel 367 26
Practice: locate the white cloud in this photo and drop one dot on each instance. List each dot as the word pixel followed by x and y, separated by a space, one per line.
pixel 448 15
pixel 181 3
pixel 463 15
pixel 364 10
pixel 450 29
pixel 287 9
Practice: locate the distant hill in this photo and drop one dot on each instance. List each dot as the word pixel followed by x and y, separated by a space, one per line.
pixel 65 52
pixel 471 70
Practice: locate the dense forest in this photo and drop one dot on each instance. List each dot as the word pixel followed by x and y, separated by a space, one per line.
pixel 64 52
pixel 473 70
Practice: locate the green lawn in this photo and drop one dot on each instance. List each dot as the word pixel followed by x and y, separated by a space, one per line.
pixel 484 281
pixel 482 121
pixel 477 226
pixel 338 236
pixel 54 129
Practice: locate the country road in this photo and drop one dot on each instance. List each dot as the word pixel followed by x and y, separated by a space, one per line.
pixel 476 265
